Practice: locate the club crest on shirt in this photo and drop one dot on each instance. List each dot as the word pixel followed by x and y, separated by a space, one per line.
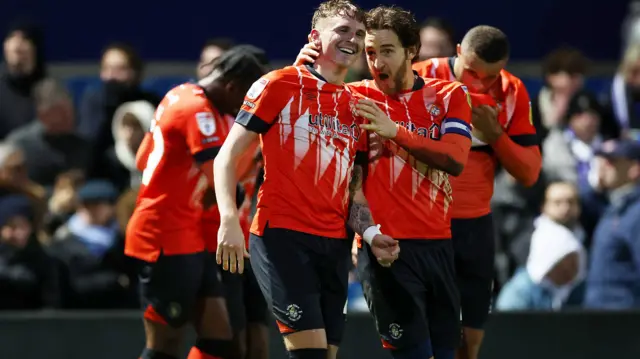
pixel 434 110
pixel 257 88
pixel 206 123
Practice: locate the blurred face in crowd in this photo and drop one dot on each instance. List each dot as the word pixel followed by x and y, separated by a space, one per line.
pixel 341 39
pixel 19 53
pixel 389 62
pixel 585 125
pixel 562 204
pixel 14 169
pixel 632 75
pixel 614 173
pixel 564 83
pixel 208 54
pixel 16 231
pixel 57 116
pixel 131 131
pixel 99 213
pixel 115 67
pixel 476 73
pixel 435 43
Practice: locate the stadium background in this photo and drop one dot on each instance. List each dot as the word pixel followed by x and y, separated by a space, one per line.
pixel 169 37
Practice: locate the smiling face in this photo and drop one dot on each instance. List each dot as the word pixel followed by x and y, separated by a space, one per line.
pixel 388 61
pixel 341 39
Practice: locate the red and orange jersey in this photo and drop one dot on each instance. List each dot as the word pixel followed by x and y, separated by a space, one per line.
pixel 187 130
pixel 409 199
pixel 473 189
pixel 309 134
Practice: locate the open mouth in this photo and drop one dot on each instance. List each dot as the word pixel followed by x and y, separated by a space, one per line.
pixel 383 76
pixel 347 50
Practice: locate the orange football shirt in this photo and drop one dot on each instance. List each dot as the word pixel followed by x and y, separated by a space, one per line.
pixel 309 134
pixel 473 189
pixel 187 130
pixel 407 198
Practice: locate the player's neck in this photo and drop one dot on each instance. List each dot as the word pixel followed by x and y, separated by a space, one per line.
pixel 457 71
pixel 330 71
pixel 214 92
pixel 408 81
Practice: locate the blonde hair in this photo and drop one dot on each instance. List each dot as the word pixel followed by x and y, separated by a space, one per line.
pixel 631 56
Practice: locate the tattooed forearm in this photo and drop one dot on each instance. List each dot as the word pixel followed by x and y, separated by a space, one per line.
pixel 359 217
pixel 440 161
pixel 356 180
pixel 359 213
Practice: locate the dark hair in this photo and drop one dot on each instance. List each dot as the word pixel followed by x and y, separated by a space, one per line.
pixel 48 91
pixel 337 7
pixel 133 58
pixel 223 43
pixel 490 44
pixel 398 20
pixel 442 25
pixel 242 64
pixel 567 60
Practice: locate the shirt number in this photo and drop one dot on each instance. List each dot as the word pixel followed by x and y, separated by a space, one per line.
pixel 155 156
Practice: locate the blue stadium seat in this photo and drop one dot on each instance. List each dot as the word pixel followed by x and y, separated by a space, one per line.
pixel 599 85
pixel 161 85
pixel 79 84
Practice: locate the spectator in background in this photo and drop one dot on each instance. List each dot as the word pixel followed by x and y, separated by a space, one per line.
pixel 63 201
pixel 625 94
pixel 24 66
pixel 437 39
pixel 614 274
pixel 130 123
pixel 568 151
pixel 90 246
pixel 211 50
pixel 121 74
pixel 564 73
pixel 14 180
pixel 53 134
pixel 28 277
pixel 556 262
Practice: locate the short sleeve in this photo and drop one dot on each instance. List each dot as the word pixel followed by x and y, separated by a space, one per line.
pixel 204 131
pixel 266 98
pixel 458 118
pixel 521 129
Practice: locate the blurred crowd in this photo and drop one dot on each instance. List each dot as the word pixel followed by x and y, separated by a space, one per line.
pixel 68 181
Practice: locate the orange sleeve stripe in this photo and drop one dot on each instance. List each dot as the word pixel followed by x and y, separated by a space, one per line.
pixel 522 162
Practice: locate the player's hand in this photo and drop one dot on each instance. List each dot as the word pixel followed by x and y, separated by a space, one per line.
pixel 385 248
pixel 354 253
pixel 379 122
pixel 231 250
pixel 308 54
pixel 485 125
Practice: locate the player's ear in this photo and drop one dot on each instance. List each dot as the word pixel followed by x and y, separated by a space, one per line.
pixel 314 37
pixel 412 51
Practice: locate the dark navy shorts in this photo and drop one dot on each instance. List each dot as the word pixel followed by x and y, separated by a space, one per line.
pixel 173 284
pixel 245 302
pixel 474 248
pixel 416 299
pixel 304 279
